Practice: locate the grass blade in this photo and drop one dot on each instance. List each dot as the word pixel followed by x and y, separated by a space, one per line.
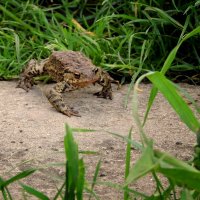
pixel 71 150
pixel 17 47
pixel 173 53
pixel 81 180
pixel 152 96
pixel 21 22
pixel 3 190
pixel 83 130
pixel 165 16
pixel 17 177
pixel 34 192
pixel 190 179
pixel 167 65
pixel 128 160
pixel 95 178
pixel 186 195
pixel 168 160
pixel 59 193
pixel 176 101
pixel 144 165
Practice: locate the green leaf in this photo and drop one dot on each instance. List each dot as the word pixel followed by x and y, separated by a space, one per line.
pixel 71 150
pixel 21 22
pixel 167 65
pixel 152 96
pixel 182 177
pixel 88 152
pixel 34 192
pixel 82 130
pixel 59 192
pixel 177 171
pixel 170 92
pixel 2 189
pixel 133 143
pixel 120 187
pixel 144 165
pixel 81 180
pixel 128 160
pixel 1 182
pixel 17 177
pixel 165 16
pixel 186 195
pixel 95 178
pixel 166 160
pixel 173 53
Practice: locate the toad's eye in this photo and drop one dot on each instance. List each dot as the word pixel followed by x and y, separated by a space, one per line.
pixel 77 76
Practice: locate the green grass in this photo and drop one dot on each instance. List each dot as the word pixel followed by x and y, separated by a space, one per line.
pixel 123 37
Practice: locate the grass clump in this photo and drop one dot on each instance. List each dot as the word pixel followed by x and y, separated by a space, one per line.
pixel 113 34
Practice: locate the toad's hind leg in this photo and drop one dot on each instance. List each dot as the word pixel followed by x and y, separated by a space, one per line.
pixel 54 95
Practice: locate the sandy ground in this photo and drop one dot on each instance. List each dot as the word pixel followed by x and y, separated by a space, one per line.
pixel 32 132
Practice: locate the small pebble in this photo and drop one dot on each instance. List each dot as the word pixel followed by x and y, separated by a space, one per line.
pixel 54 149
pixel 133 148
pixel 102 174
pixel 179 143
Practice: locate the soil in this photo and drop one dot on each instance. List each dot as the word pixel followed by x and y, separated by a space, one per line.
pixel 32 133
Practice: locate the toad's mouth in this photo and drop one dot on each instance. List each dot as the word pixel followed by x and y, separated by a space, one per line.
pixel 82 82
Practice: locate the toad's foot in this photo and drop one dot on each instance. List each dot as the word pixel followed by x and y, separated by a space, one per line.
pixel 104 94
pixel 70 112
pixel 25 83
pixel 56 100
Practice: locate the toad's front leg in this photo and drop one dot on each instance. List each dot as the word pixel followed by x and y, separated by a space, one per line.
pixel 106 91
pixel 33 69
pixel 104 79
pixel 54 95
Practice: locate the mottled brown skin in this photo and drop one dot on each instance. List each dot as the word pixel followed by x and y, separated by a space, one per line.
pixel 71 70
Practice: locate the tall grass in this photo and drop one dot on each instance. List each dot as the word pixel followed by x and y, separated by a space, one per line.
pixel 111 33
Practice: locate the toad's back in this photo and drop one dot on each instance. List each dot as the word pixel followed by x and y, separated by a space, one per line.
pixel 61 62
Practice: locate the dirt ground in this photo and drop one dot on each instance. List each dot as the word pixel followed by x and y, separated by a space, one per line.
pixel 32 132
